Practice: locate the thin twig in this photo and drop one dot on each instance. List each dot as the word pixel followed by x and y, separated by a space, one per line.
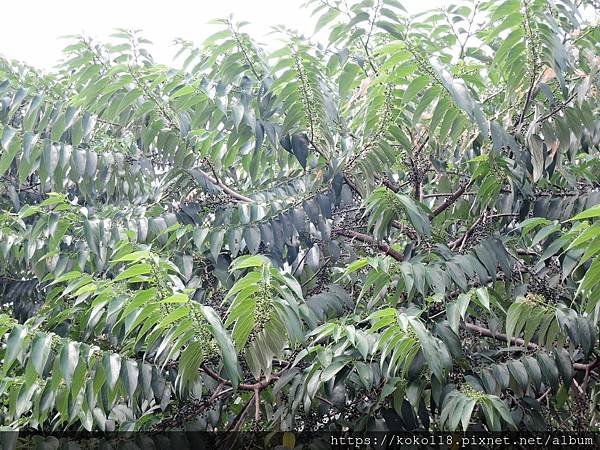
pixel 256 405
pixel 520 342
pixel 558 108
pixel 371 240
pixel 239 419
pixel 446 194
pixel 262 384
pixel 323 267
pixel 450 200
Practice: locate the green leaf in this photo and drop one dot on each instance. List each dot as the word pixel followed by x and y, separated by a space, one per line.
pixel 216 241
pixel 134 271
pixel 134 257
pixel 244 262
pixel 14 346
pixel 189 363
pixel 225 344
pixel 9 153
pixel 68 359
pixel 519 373
pixel 564 365
pixel 594 211
pixel 330 371
pixel 40 350
pixel 7 135
pixel 434 350
pixel 549 370
pixel 112 368
pixel 467 411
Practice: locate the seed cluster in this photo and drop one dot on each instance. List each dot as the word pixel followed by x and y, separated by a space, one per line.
pixel 322 282
pixel 306 91
pixel 393 201
pixel 483 229
pixel 215 301
pixel 250 55
pixel 578 417
pixel 361 405
pixel 262 311
pixel 534 299
pixel 422 61
pixel 417 164
pixel 472 393
pixel 542 286
pixel 411 334
pixel 349 219
pixel 55 343
pixel 581 411
pixel 178 417
pixel 159 281
pixel 208 201
pixel 456 377
pixel 206 272
pixel 533 41
pixel 384 116
pixel 166 308
pixel 426 245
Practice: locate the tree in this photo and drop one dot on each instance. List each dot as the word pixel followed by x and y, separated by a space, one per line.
pixel 397 229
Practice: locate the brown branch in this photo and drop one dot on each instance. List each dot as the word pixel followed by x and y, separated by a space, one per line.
pixel 525 252
pixel 173 125
pixel 239 419
pixel 544 395
pixel 225 188
pixel 327 158
pixel 411 233
pixel 558 108
pixel 446 194
pixel 498 336
pixel 531 93
pixel 450 200
pixel 241 47
pixel 352 185
pixel 300 262
pixel 316 274
pixel 419 190
pixel 217 391
pixel 221 393
pixel 371 240
pixel 372 21
pixel 461 240
pixel 482 331
pixel 391 186
pixel 256 406
pixel 260 385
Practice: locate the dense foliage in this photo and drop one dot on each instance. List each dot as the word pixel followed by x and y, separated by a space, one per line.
pixel 399 229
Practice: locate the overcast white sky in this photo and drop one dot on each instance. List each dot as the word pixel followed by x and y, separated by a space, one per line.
pixel 30 29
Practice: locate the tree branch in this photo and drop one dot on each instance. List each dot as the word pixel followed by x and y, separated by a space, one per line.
pixel 446 194
pixel 239 419
pixel 225 188
pixel 461 240
pixel 558 108
pixel 450 200
pixel 528 99
pixel 260 385
pixel 482 331
pixel 256 406
pixel 371 240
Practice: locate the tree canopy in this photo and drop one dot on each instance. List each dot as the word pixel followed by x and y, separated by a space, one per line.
pixel 392 225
